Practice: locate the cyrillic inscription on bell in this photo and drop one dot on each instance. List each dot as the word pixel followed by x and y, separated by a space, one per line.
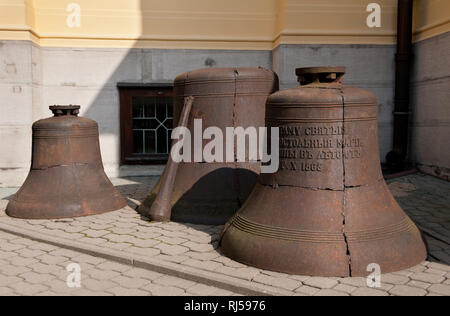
pixel 327 211
pixel 66 177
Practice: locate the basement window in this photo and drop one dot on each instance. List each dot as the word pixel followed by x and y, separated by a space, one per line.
pixel 146 122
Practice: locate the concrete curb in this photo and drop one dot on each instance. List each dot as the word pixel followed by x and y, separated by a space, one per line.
pixel 188 273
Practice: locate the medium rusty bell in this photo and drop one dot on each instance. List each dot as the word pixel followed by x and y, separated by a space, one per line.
pixel 66 177
pixel 328 210
pixel 210 193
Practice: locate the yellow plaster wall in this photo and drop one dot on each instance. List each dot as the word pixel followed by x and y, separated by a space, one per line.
pixel 431 18
pixel 336 22
pixel 221 24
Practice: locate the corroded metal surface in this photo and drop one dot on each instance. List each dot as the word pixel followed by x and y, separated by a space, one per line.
pixel 66 177
pixel 210 193
pixel 327 211
pixel 161 209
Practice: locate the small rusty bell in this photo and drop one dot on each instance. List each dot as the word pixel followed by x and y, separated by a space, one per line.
pixel 328 210
pixel 66 177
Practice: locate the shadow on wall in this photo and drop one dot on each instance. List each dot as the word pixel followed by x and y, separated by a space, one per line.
pixel 100 70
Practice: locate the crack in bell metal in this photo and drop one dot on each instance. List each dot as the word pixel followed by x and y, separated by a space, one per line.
pixel 66 178
pixel 327 211
pixel 210 193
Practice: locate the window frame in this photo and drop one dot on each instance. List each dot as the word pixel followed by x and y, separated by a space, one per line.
pixel 126 94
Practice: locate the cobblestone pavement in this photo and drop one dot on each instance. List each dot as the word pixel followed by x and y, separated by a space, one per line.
pixel 33 268
pixel 424 198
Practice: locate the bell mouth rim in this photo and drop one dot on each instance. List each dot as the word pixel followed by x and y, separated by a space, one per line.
pixel 320 70
pixel 64 107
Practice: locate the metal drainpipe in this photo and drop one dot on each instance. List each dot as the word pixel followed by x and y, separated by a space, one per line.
pixel 397 157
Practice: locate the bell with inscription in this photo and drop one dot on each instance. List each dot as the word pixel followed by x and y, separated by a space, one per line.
pixel 66 177
pixel 327 211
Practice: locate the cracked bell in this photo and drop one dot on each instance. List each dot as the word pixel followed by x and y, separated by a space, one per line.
pixel 66 177
pixel 327 211
pixel 210 193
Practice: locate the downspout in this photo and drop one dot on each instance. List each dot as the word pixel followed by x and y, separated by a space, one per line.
pixel 397 157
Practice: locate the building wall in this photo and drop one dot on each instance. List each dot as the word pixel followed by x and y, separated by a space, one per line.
pixel 431 88
pixel 43 61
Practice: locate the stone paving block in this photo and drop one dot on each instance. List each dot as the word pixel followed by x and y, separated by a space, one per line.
pixel 49 259
pixel 369 292
pixel 117 246
pixel 7 254
pixel 146 235
pixel 405 273
pixel 8 280
pixel 113 266
pixel 321 283
pixel 36 278
pixel 329 292
pixel 48 294
pixel 203 256
pixel 60 287
pixel 308 290
pixel 74 229
pixel 83 258
pixel 435 271
pixel 158 290
pixel 29 253
pixel 13 271
pixel 394 279
pixel 120 291
pixel 171 249
pixel 102 275
pixel 419 284
pixel 224 260
pixel 403 290
pixel 45 268
pixel 95 233
pixel 357 282
pixel 427 277
pixel 149 252
pixel 5 291
pixel 201 290
pixel 284 283
pixel 173 281
pixel 171 240
pixel 442 289
pixel 27 289
pixel 141 243
pixel 92 241
pixel 98 286
pixel 23 241
pixel 23 262
pixel 130 283
pixel 198 247
pixel 11 247
pixel 242 273
pixel 86 292
pixel 345 288
pixel 64 253
pixel 201 239
pixel 119 238
pixel 124 225
pixel 143 274
pixel 175 259
pixel 43 247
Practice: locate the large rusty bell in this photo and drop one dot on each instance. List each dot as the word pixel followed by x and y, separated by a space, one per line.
pixel 210 193
pixel 328 210
pixel 66 177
